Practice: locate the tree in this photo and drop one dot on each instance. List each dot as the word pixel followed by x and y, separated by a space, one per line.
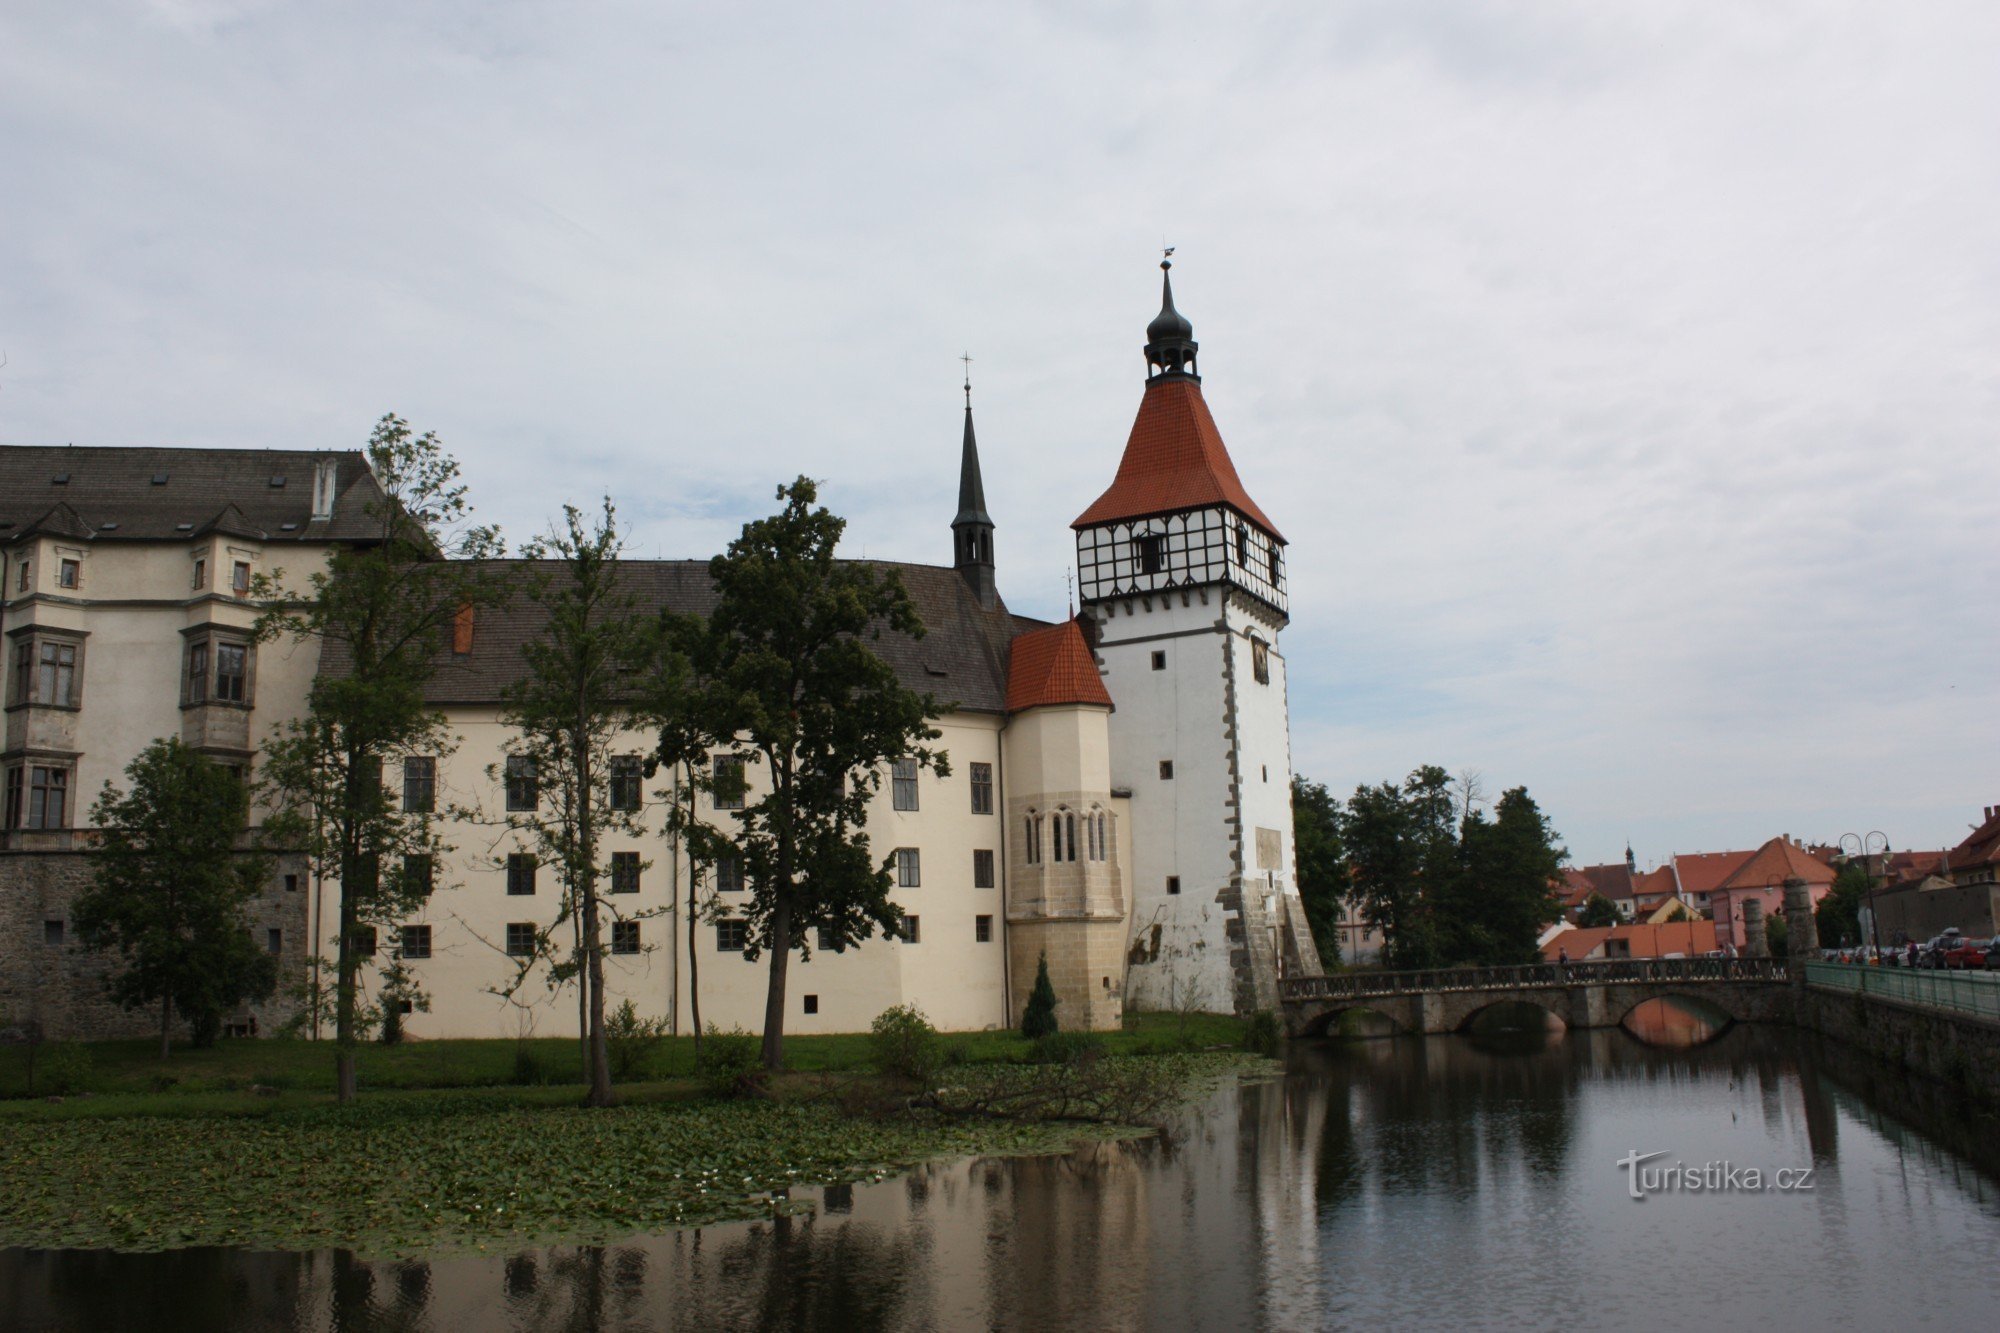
pixel 1322 863
pixel 1401 849
pixel 1777 934
pixel 570 709
pixel 1039 1018
pixel 791 680
pixel 170 888
pixel 380 611
pixel 1598 910
pixel 1512 865
pixel 1839 913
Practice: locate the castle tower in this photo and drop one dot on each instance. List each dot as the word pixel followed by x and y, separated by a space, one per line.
pixel 1065 876
pixel 972 529
pixel 1182 578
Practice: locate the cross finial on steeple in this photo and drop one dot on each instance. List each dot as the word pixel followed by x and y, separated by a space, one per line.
pixel 967 358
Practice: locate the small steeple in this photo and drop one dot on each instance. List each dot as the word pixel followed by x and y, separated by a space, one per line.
pixel 972 530
pixel 1170 344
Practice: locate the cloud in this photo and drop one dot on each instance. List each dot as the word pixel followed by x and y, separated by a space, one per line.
pixel 1622 374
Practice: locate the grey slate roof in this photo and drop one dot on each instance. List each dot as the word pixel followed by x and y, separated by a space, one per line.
pixel 227 490
pixel 962 658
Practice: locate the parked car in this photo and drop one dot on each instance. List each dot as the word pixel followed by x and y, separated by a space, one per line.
pixel 1932 953
pixel 1965 954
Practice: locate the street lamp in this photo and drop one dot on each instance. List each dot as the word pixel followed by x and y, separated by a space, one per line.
pixel 1863 848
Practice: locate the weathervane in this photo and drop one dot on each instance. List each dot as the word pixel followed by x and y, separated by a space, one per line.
pixel 967 358
pixel 1167 256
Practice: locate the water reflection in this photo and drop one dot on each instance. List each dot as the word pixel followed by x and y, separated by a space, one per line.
pixel 1468 1181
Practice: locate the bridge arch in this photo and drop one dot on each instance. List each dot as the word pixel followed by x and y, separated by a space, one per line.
pixel 1710 1005
pixel 1554 1003
pixel 1322 1019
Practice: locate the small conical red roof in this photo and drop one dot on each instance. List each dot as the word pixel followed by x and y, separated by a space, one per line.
pixel 1174 459
pixel 1053 665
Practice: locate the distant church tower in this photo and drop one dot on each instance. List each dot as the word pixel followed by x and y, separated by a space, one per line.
pixel 1183 580
pixel 972 530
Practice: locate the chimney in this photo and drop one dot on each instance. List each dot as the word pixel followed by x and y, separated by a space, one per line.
pixel 326 473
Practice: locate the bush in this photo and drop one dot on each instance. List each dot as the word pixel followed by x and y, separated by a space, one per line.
pixel 1039 1019
pixel 904 1045
pixel 631 1039
pixel 1065 1048
pixel 1262 1034
pixel 64 1068
pixel 728 1063
pixel 528 1068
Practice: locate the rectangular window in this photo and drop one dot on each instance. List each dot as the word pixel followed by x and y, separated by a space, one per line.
pixel 231 672
pixel 48 797
pixel 909 870
pixel 1260 661
pixel 824 941
pixel 419 875
pixel 521 868
pixel 731 936
pixel 982 869
pixel 1243 546
pixel 982 789
pixel 727 777
pixel 56 680
pixel 628 773
pixel 197 677
pixel 1274 559
pixel 239 578
pixel 200 573
pixel 364 942
pixel 912 931
pixel 1152 554
pixel 291 884
pixel 274 941
pixel 419 784
pixel 903 784
pixel 21 577
pixel 812 1004
pixel 52 934
pixel 17 789
pixel 1166 770
pixel 624 937
pixel 1173 883
pixel 1159 659
pixel 520 939
pixel 624 872
pixel 729 876
pixel 24 670
pixel 415 942
pixel 69 574
pixel 523 790
pixel 982 930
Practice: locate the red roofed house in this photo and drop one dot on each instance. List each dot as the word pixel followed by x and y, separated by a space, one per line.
pixel 1674 939
pixel 1959 888
pixel 1761 878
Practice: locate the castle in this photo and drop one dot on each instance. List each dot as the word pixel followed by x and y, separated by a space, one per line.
pixel 1119 799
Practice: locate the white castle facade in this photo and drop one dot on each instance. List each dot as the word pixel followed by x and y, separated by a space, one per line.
pixel 1119 799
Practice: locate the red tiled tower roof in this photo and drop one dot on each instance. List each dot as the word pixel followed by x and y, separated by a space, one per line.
pixel 1053 666
pixel 1174 459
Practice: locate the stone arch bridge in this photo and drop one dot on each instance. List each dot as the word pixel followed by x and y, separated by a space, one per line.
pixel 1597 994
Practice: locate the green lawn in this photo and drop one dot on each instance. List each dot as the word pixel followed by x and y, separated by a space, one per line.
pixel 129 1078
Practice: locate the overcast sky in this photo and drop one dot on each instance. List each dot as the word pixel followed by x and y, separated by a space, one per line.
pixel 1624 375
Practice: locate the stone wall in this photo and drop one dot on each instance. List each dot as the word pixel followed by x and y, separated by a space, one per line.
pixel 61 986
pixel 1086 967
pixel 1955 1048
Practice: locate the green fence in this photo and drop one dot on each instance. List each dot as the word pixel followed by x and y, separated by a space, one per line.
pixel 1974 993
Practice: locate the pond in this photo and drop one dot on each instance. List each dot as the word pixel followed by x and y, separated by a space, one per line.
pixel 1484 1181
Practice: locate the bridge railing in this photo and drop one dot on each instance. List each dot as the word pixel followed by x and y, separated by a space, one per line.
pixel 1960 992
pixel 1595 972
